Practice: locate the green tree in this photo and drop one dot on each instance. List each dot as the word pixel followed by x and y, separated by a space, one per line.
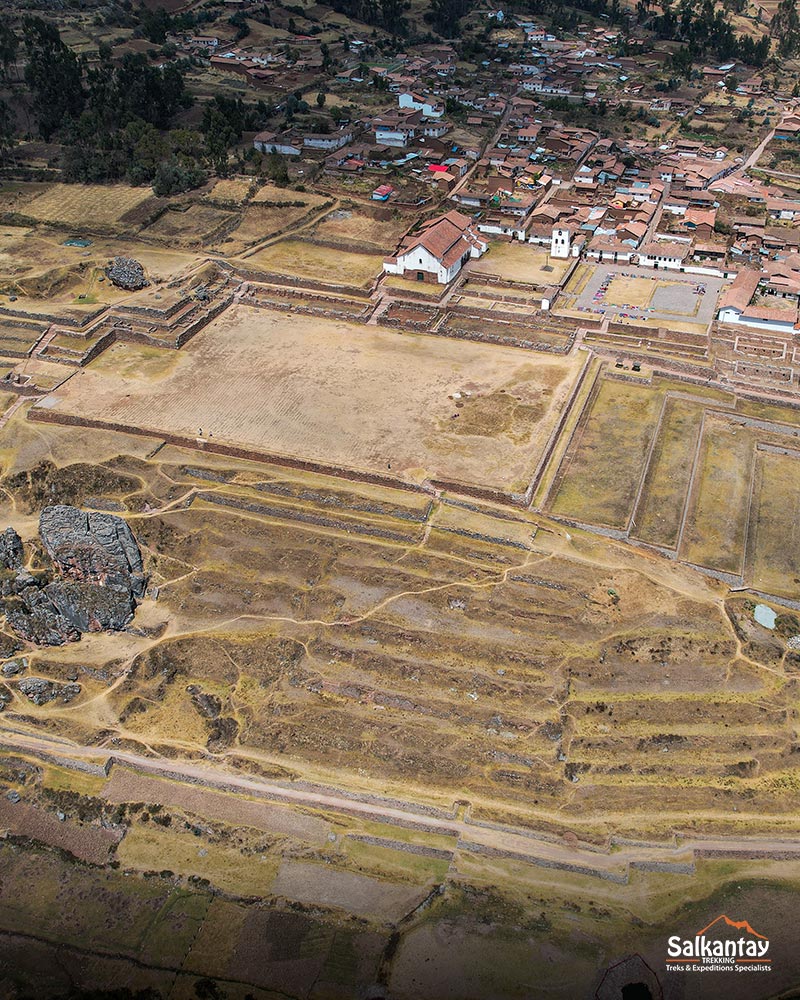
pixel 9 45
pixel 54 76
pixel 321 99
pixel 6 131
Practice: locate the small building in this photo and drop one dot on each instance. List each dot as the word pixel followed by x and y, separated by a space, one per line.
pixel 409 101
pixel 735 300
pixel 269 142
pixel 327 141
pixel 382 193
pixel 664 256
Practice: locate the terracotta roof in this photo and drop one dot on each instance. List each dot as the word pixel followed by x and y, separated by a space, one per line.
pixel 770 313
pixel 447 238
pixel 741 291
pixel 679 250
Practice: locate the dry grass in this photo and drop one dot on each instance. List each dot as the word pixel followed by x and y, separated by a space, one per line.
pixel 284 196
pixel 231 191
pixel 716 524
pixel 602 470
pixel 297 258
pixel 776 513
pixel 520 262
pixel 87 204
pixel 198 224
pixel 361 230
pixel 658 516
pixel 148 847
pixel 339 393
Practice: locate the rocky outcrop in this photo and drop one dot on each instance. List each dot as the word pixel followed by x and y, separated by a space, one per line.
pixel 92 547
pixel 10 550
pixel 40 691
pixel 96 579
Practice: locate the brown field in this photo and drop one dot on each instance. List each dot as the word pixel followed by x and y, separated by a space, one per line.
pixel 520 262
pixel 307 260
pixel 200 223
pixel 716 525
pixel 381 401
pixel 776 513
pixel 87 842
pixel 658 516
pixel 282 196
pixel 259 222
pixel 88 204
pixel 353 229
pixel 359 894
pixel 231 191
pixel 127 786
pixel 601 473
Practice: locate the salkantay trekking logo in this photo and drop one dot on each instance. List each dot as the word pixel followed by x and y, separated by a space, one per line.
pixel 724 945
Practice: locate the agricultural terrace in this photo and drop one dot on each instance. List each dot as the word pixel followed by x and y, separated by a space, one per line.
pixel 297 258
pixel 89 204
pixel 683 302
pixel 334 393
pixel 668 466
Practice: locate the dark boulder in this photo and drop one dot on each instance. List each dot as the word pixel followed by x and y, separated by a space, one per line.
pixel 98 574
pixel 92 547
pixel 11 555
pixel 40 691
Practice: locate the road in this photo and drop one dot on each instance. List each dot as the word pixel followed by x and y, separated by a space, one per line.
pixel 514 843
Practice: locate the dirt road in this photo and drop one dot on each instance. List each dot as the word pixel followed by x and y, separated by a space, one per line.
pixel 494 840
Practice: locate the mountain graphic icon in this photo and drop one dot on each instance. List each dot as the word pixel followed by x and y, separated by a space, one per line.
pixel 739 925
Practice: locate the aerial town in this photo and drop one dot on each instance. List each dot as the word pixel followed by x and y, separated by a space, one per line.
pixel 399 500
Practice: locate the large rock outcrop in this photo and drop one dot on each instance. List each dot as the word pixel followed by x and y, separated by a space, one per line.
pixel 96 578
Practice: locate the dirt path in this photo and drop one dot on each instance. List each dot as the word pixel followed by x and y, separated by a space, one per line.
pixel 494 840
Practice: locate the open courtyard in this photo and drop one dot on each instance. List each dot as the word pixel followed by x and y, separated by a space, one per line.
pixel 623 293
pixel 336 394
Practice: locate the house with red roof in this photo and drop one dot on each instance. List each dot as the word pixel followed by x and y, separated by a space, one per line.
pixel 438 250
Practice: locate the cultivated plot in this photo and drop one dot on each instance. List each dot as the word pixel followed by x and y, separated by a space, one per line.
pixel 297 258
pixel 716 524
pixel 776 529
pixel 658 515
pixel 338 394
pixel 600 476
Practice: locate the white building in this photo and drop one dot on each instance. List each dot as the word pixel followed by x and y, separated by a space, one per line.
pixel 269 142
pixel 560 242
pixel 438 251
pixel 410 101
pixel 664 256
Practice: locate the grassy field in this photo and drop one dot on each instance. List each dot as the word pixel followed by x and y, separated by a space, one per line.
pixel 716 525
pixel 198 224
pixel 776 513
pixel 148 847
pixel 307 260
pixel 382 402
pixel 658 516
pixel 520 262
pixel 601 472
pixel 88 204
pixel 352 228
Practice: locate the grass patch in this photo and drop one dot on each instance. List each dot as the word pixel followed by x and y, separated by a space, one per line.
pixel 716 526
pixel 658 516
pixel 776 520
pixel 601 472
pixel 153 848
